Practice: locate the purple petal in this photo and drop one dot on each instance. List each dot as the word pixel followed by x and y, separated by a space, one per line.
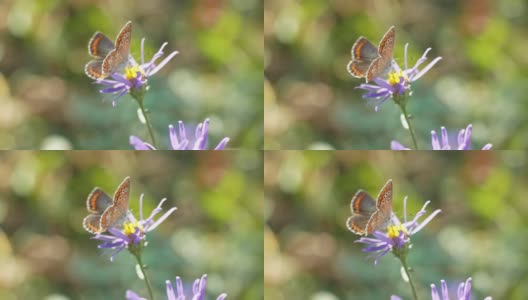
pixel 114 100
pixel 179 287
pixel 118 233
pixel 173 136
pixel 375 248
pixel 201 289
pixel 380 256
pixel 382 237
pixel 103 237
pixel 378 94
pixel 395 145
pixel 170 290
pixel 130 295
pixel 426 221
pixel 395 66
pixel 405 209
pixel 405 55
pixel 162 63
pixel 143 51
pixel 117 252
pixel 383 83
pixel 368 87
pixel 120 78
pixel 367 240
pixel 113 89
pixel 445 292
pixel 434 293
pixel 427 68
pixel 466 144
pixel 221 296
pixel 139 144
pixel 111 245
pixel 162 218
pixel 379 102
pixel 467 289
pixel 445 139
pixel 224 142
pixel 434 141
pixel 183 135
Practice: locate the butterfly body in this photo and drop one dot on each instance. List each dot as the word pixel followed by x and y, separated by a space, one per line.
pixel 107 212
pixel 369 215
pixel 108 57
pixel 369 61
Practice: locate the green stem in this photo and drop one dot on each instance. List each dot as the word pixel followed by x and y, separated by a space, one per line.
pixel 411 128
pixel 407 271
pixel 149 125
pixel 147 280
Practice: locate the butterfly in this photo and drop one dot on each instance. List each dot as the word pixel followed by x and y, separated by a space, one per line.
pixel 371 62
pixel 106 212
pixel 108 57
pixel 369 215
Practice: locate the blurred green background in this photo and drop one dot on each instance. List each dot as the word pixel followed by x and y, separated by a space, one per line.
pixel 48 102
pixel 310 100
pixel 481 231
pixel 217 229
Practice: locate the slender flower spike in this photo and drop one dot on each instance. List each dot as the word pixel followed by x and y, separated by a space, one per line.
pixel 135 77
pixel 177 292
pixel 398 236
pixel 397 85
pixel 134 231
pixel 179 140
pixel 463 292
pixel 463 141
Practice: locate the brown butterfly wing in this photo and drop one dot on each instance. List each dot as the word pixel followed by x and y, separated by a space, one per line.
pixel 357 68
pixel 386 46
pixel 382 65
pixel 117 59
pixel 362 203
pixel 384 200
pixel 94 69
pixel 363 53
pixel 100 45
pixel 91 223
pixel 376 222
pixel 112 62
pixel 98 201
pixel 357 224
pixel 116 214
pixel 379 68
pixel 123 39
pixel 363 49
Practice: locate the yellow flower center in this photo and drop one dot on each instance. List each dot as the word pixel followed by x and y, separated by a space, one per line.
pixel 394 231
pixel 394 77
pixel 131 72
pixel 130 227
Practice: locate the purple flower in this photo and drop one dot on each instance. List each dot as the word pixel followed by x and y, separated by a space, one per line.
pixel 398 234
pixel 177 292
pixel 463 141
pixel 133 232
pixel 179 140
pixel 398 82
pixel 463 292
pixel 135 77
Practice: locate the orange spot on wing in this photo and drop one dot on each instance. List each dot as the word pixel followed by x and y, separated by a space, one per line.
pixel 357 202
